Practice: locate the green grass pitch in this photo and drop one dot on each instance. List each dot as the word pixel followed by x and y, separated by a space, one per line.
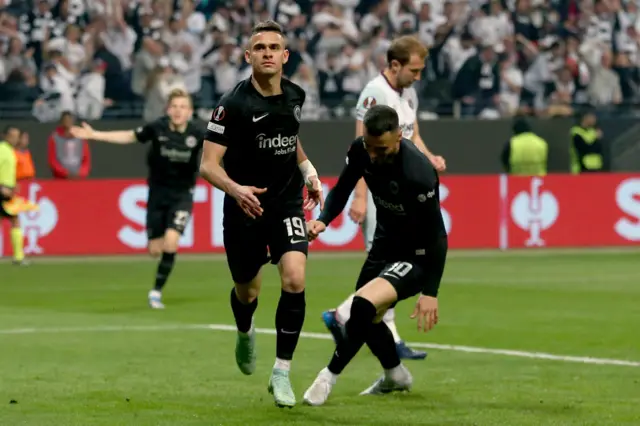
pixel 78 345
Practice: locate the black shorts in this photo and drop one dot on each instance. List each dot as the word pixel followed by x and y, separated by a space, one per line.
pixel 252 243
pixel 168 209
pixel 409 274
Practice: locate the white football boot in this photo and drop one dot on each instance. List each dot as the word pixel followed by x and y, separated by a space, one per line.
pixel 319 391
pixel 395 380
pixel 155 300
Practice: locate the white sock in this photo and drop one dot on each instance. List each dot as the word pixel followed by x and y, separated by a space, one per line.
pixel 389 319
pixel 343 313
pixel 282 364
pixel 155 293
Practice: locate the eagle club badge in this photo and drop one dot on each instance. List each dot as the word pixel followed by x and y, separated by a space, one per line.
pixel 191 141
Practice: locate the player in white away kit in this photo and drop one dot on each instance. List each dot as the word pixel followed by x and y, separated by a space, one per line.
pixel 405 61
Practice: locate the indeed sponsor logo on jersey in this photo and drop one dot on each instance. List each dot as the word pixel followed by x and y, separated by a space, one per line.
pixel 388 205
pixel 175 154
pixel 281 144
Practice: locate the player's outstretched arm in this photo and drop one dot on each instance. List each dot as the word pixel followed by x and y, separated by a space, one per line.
pixel 311 180
pixel 339 195
pixel 120 137
pixel 358 210
pixel 215 174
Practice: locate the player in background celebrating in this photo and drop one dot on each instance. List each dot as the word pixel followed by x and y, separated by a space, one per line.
pixel 175 145
pixel 405 62
pixel 407 256
pixel 255 129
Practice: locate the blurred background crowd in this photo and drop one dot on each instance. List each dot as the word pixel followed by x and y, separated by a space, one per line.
pixel 490 59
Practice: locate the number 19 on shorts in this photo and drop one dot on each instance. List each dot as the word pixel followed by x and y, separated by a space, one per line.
pixel 296 229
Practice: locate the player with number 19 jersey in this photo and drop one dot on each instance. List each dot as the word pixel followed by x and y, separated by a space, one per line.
pixel 261 136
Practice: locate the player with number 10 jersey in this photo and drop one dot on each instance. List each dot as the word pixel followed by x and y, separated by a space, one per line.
pixel 393 87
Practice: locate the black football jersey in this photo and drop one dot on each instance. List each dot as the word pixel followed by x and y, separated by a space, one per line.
pixel 405 192
pixel 261 136
pixel 173 157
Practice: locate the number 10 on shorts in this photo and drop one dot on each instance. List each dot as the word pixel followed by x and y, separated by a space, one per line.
pixel 399 269
pixel 296 229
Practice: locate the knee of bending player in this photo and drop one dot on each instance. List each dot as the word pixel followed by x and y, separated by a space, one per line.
pixel 363 314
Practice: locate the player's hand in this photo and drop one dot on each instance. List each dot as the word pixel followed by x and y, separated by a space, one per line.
pixel 314 194
pixel 84 132
pixel 315 228
pixel 246 198
pixel 358 209
pixel 439 163
pixel 427 312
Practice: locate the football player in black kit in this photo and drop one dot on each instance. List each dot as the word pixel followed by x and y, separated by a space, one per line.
pixel 175 143
pixel 408 253
pixel 255 129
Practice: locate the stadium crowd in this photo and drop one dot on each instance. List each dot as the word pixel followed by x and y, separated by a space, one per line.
pixel 488 59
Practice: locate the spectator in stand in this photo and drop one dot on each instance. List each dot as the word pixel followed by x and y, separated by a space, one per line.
pixel 341 41
pixel 477 84
pixel 69 157
pixel 90 100
pixel 330 82
pixel 305 78
pixel 604 87
pixel 161 83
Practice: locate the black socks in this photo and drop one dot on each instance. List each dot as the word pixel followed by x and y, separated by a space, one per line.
pixel 164 269
pixel 289 320
pixel 241 312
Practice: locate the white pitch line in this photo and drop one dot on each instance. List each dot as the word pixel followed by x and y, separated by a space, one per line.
pixel 325 336
pixel 453 254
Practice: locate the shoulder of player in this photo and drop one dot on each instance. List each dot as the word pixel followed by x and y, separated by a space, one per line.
pixel 410 92
pixel 236 96
pixel 6 150
pixel 356 148
pixel 197 128
pixel 292 89
pixel 161 123
pixel 373 93
pixel 417 166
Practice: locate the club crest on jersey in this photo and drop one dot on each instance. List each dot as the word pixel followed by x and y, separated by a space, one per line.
pixel 297 112
pixel 191 141
pixel 393 187
pixel 219 113
pixel 369 102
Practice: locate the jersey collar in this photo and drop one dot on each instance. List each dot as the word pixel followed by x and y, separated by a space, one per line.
pixel 399 91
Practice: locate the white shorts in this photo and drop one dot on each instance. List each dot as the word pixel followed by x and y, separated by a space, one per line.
pixel 369 224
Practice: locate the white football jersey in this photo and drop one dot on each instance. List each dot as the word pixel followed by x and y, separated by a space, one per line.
pixel 379 92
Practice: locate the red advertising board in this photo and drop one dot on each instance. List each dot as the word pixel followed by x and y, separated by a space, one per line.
pixel 107 216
